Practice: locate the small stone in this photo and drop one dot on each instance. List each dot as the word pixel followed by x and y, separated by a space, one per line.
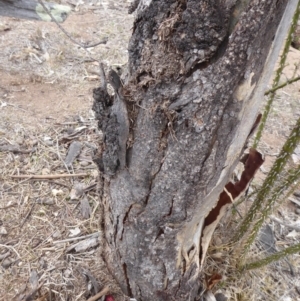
pixel 217 256
pixel 85 208
pixel 56 234
pixel 76 191
pixel 48 142
pixel 67 273
pixel 43 264
pixel 6 186
pixel 4 255
pixel 35 242
pixel 84 163
pixel 220 297
pixel 263 170
pixel 19 140
pixel 33 142
pixel 297 211
pixel 70 285
pixel 14 271
pixel 3 231
pixel 45 201
pixel 218 241
pixel 57 192
pixel 6 263
pixel 45 171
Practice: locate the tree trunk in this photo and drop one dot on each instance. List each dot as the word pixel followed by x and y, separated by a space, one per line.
pixel 196 78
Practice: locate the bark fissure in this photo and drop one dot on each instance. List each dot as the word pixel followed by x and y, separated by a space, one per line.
pixel 127 280
pixel 171 209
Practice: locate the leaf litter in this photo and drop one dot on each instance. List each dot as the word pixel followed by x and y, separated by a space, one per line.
pixel 48 134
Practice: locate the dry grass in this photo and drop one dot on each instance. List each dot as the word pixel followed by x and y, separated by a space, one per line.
pixel 39 217
pixel 45 93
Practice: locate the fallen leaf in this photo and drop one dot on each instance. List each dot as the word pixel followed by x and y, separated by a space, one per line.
pixel 217 256
pixel 293 234
pixel 74 232
pixel 56 192
pixel 73 152
pixel 84 245
pixel 76 191
pixel 26 198
pixel 45 171
pixel 3 256
pixel 212 280
pixel 85 208
pixel 46 56
pixel 45 201
pixel 34 279
pixel 3 231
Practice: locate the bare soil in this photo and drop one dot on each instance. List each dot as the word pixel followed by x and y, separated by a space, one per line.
pixel 46 84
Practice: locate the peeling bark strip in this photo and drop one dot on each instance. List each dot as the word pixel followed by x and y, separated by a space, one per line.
pixel 196 78
pixel 232 191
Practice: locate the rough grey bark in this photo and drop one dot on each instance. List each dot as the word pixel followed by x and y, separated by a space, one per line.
pixel 191 95
pixel 30 9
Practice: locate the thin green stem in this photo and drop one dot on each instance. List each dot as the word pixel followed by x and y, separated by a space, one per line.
pixel 277 75
pixel 293 176
pixel 274 257
pixel 269 182
pixel 288 82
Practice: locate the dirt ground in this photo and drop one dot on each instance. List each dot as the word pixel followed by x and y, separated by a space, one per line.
pixel 46 85
pixel 49 228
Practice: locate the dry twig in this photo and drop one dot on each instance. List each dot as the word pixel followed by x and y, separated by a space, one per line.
pixel 100 294
pixel 27 215
pixel 96 234
pixel 57 176
pixel 66 33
